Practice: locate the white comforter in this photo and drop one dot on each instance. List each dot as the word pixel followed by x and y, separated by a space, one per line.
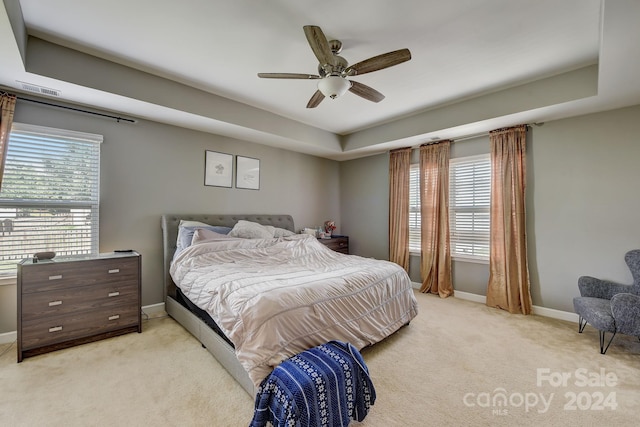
pixel 274 298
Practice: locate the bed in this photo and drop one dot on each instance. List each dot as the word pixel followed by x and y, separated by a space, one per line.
pixel 255 302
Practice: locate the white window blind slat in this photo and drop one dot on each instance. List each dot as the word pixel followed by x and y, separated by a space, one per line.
pixel 49 199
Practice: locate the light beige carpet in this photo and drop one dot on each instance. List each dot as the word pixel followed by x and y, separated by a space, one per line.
pixel 449 367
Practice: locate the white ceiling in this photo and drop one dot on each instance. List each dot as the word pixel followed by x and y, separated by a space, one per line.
pixel 462 50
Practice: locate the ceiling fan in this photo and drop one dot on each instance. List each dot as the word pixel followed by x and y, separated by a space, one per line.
pixel 333 70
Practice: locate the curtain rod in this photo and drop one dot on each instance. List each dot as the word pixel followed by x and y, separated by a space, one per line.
pixel 108 116
pixel 453 140
pixel 463 138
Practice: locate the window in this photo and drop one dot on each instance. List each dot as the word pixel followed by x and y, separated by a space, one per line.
pixel 414 208
pixel 50 194
pixel 469 202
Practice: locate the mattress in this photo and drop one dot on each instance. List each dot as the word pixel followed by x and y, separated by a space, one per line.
pixel 274 298
pixel 201 314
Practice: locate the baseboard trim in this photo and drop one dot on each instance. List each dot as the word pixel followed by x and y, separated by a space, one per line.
pixel 154 310
pixel 8 337
pixel 470 297
pixel 555 314
pixel 537 310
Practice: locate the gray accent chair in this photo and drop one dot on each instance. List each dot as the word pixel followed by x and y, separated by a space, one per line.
pixel 608 306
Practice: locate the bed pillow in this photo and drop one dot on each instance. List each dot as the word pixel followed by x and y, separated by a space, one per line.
pixel 205 235
pixel 282 232
pixel 187 228
pixel 250 230
pixel 185 223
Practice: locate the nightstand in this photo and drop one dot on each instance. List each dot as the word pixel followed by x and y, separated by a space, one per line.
pixel 337 243
pixel 69 301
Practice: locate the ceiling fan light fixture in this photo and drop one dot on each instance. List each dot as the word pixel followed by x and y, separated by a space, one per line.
pixel 333 69
pixel 333 86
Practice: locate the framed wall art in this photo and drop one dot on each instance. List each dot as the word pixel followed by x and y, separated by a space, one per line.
pixel 247 173
pixel 218 169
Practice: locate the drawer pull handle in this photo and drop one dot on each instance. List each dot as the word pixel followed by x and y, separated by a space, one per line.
pixel 54 303
pixel 114 317
pixel 115 270
pixel 56 277
pixel 113 294
pixel 55 329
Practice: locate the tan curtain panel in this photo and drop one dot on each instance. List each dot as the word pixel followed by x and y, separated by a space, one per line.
pixel 399 169
pixel 509 287
pixel 435 265
pixel 7 107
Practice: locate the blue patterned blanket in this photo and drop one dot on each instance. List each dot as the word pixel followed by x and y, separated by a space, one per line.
pixel 327 385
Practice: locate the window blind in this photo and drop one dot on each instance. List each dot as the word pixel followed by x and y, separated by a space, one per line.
pixel 469 203
pixel 414 208
pixel 49 199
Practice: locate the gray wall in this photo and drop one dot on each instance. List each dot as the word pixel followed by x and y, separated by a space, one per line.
pixel 364 201
pixel 582 204
pixel 585 207
pixel 148 169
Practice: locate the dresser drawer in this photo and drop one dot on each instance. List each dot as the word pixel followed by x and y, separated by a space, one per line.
pixel 57 302
pixel 52 330
pixel 51 276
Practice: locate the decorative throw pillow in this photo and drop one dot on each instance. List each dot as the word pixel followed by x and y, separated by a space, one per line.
pixel 187 228
pixel 250 230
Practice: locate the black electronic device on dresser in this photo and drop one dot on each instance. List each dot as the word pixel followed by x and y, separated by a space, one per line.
pixel 337 243
pixel 67 301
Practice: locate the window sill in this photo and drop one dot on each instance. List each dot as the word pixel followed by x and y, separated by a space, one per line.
pixel 456 258
pixel 471 260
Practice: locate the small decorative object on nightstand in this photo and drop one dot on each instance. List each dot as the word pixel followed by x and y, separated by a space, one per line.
pixel 329 226
pixel 68 301
pixel 337 243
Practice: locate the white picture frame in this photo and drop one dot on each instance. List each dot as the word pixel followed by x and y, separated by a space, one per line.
pixel 218 169
pixel 247 173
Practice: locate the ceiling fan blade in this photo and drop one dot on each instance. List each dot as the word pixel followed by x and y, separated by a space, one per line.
pixel 319 44
pixel 315 99
pixel 287 76
pixel 379 62
pixel 366 92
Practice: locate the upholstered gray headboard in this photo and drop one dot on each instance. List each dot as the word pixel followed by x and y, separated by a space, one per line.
pixel 170 223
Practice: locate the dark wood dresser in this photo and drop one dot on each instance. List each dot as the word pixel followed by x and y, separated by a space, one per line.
pixel 69 301
pixel 337 243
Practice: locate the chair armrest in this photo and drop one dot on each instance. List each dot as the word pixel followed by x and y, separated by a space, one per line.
pixel 626 312
pixel 597 288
